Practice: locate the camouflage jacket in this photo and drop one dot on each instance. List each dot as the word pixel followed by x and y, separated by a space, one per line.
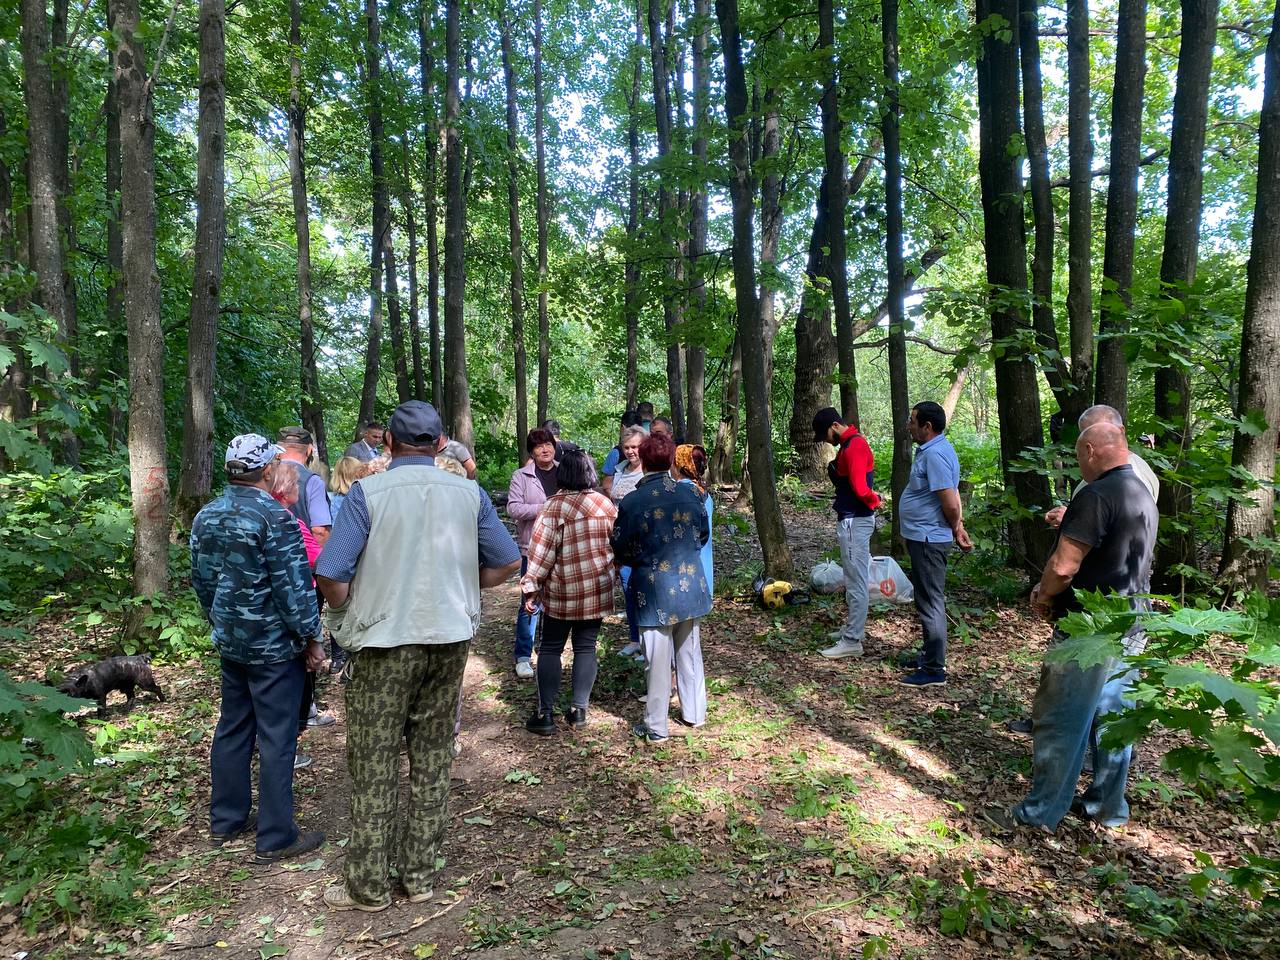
pixel 249 569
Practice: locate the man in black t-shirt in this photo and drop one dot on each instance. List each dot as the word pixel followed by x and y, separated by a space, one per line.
pixel 1105 542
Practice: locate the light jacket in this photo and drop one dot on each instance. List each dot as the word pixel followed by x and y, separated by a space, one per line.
pixel 525 498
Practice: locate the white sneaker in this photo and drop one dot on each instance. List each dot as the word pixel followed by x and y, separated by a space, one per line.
pixel 524 669
pixel 630 650
pixel 843 649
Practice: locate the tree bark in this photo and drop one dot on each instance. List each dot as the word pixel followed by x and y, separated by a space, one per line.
pixel 312 410
pixel 517 251
pixel 768 513
pixel 667 216
pixel 631 292
pixel 148 473
pixel 1112 381
pixel 411 228
pixel 899 400
pixel 1017 394
pixel 696 355
pixel 457 388
pixel 373 346
pixel 1251 514
pixel 66 222
pixel 815 342
pixel 115 242
pixel 44 196
pixel 770 223
pixel 544 213
pixel 1051 358
pixel 196 478
pixel 430 180
pixel 726 446
pixel 952 399
pixel 395 315
pixel 15 388
pixel 1178 273
pixel 837 202
pixel 1080 209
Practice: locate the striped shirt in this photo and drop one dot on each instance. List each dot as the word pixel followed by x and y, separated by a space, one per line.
pixel 570 559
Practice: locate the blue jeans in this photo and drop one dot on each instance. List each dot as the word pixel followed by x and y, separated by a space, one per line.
pixel 260 705
pixel 526 624
pixel 633 612
pixel 1070 708
pixel 854 534
pixel 929 582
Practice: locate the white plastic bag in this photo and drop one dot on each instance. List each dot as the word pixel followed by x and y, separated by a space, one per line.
pixel 888 583
pixel 827 577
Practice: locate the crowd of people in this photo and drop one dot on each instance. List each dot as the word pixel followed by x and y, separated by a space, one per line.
pixel 390 560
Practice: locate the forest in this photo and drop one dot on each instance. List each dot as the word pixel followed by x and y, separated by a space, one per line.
pixel 230 216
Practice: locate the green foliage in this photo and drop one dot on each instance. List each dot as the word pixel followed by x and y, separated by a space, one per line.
pixel 39 746
pixel 1207 674
pixel 965 907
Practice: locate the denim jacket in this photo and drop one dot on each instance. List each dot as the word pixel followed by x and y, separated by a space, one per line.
pixel 660 531
pixel 249 568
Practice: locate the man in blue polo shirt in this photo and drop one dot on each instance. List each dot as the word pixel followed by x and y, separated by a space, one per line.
pixel 931 520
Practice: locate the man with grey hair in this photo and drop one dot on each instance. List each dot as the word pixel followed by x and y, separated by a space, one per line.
pixel 1105 543
pixel 1102 413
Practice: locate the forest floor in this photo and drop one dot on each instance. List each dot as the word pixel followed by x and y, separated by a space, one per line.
pixel 823 811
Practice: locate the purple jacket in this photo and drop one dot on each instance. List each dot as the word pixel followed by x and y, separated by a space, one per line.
pixel 525 498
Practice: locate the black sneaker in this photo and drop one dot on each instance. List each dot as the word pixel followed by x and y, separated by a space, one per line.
pixel 305 843
pixel 925 678
pixel 543 724
pixel 642 732
pixel 219 839
pixel 1022 726
pixel 576 717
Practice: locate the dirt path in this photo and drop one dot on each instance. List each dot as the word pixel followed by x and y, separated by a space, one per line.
pixel 824 811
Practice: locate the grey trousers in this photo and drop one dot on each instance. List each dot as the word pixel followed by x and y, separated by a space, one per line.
pixel 661 644
pixel 929 580
pixel 855 559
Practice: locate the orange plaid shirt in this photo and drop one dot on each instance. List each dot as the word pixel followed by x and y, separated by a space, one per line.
pixel 570 559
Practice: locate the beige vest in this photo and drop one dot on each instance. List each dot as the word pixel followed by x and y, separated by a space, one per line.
pixel 418 580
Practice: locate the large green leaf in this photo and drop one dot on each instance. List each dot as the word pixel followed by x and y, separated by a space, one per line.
pixel 1223 689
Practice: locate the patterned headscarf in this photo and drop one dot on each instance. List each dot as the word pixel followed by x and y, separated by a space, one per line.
pixel 686 464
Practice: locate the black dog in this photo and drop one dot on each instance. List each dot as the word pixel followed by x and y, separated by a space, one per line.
pixel 125 674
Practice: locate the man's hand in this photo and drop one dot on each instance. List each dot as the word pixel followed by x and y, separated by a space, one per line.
pixel 315 655
pixel 1054 517
pixel 962 538
pixel 532 601
pixel 1040 605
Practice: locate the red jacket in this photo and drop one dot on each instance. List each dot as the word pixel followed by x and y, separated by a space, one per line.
pixel 855 463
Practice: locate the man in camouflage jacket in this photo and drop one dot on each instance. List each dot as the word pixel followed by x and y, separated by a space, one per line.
pixel 249 569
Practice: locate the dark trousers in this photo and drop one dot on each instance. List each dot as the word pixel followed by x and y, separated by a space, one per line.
pixel 929 581
pixel 554 634
pixel 259 706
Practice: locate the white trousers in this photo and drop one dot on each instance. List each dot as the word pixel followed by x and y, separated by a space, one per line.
pixel 661 644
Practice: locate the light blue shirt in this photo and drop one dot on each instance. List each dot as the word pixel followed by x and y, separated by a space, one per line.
pixel 935 468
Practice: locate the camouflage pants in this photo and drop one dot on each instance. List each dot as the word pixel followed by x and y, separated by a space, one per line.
pixel 407 692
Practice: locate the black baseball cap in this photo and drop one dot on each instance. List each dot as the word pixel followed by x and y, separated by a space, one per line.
pixel 295 435
pixel 415 422
pixel 822 421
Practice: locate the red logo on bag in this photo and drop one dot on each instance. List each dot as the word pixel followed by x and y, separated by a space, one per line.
pixel 888 588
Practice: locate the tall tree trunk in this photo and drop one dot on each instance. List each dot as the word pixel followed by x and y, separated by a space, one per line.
pixel 148 473
pixel 43 185
pixel 544 214
pixel 1052 360
pixel 15 388
pixel 770 224
pixel 1251 514
pixel 950 401
pixel 1178 273
pixel 430 181
pixel 631 292
pixel 411 228
pixel 833 177
pixel 395 315
pixel 764 492
pixel 1112 380
pixel 815 342
pixel 196 478
pixel 115 242
pixel 457 388
pixel 66 222
pixel 696 356
pixel 667 216
pixel 900 402
pixel 1080 209
pixel 312 409
pixel 381 216
pixel 517 252
pixel 1017 394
